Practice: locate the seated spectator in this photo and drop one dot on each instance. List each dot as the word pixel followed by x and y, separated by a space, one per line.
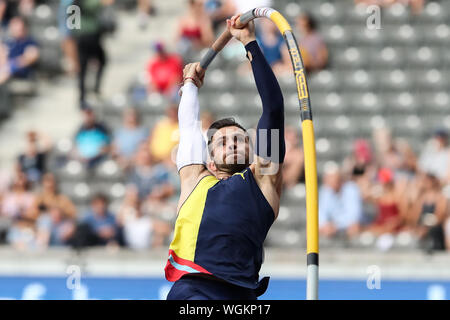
pixel 312 46
pixel 92 140
pixel 10 9
pixel 98 227
pixel 390 206
pixel 428 213
pixel 68 43
pixel 32 162
pixel 340 205
pixel 128 137
pixel 293 165
pixel 447 233
pixel 17 202
pixel 140 231
pixel 22 234
pixel 19 53
pixel 54 228
pixel 435 157
pixel 145 9
pixel 360 159
pixel 164 72
pixel 50 197
pixel 207 119
pixel 273 46
pixel 220 10
pixel 151 180
pixel 165 135
pixel 195 30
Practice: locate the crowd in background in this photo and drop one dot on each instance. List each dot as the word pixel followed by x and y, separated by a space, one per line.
pixel 383 188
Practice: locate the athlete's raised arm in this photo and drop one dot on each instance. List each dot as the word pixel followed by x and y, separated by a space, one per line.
pixel 270 144
pixel 191 155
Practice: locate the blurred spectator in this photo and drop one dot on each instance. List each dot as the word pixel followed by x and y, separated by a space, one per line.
pixel 312 46
pixel 207 119
pixel 98 227
pixel 50 197
pixel 416 5
pixel 22 234
pixel 33 161
pixel 273 46
pixel 340 205
pixel 140 231
pixel 19 199
pixel 293 165
pixel 150 179
pixel 128 137
pixel 92 140
pixel 12 8
pixel 390 206
pixel 19 53
pixel 68 43
pixel 429 212
pixel 54 228
pixel 195 31
pixel 164 71
pixel 145 9
pixel 435 157
pixel 89 44
pixel 219 11
pixel 387 154
pixel 165 135
pixel 447 233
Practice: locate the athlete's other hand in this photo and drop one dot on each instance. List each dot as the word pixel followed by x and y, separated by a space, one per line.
pixel 244 35
pixel 194 73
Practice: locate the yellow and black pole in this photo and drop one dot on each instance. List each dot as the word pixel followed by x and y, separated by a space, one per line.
pixel 312 221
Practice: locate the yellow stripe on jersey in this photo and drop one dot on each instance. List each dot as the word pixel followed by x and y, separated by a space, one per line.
pixel 189 218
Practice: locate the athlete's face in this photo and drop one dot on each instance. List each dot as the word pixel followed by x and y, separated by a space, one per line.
pixel 230 149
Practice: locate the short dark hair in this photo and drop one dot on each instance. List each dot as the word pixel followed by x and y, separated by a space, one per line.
pixel 219 124
pixel 99 197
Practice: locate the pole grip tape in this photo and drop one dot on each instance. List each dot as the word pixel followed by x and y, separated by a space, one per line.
pixel 208 58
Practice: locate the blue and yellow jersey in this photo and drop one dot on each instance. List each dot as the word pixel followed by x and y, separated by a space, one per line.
pixel 220 230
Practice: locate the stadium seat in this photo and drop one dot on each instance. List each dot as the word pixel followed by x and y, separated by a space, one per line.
pixel 424 57
pixel 434 12
pixel 336 36
pixel 387 58
pixel 431 79
pixel 405 34
pixel 397 13
pixel 394 80
pixel 108 170
pixel 359 80
pixel 351 58
pixel 366 103
pixel 367 37
pixel 437 34
pixel 405 103
pixel 323 81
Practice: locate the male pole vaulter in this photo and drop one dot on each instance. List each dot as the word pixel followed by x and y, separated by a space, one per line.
pixel 227 205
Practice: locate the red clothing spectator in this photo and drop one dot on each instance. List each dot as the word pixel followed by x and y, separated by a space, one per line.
pixel 165 71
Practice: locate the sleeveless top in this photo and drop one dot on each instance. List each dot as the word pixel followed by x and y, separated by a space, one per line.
pixel 220 230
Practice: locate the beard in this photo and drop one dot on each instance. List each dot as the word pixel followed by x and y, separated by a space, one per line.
pixel 232 168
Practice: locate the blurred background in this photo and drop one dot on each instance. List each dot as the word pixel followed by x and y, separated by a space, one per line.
pixel 88 137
